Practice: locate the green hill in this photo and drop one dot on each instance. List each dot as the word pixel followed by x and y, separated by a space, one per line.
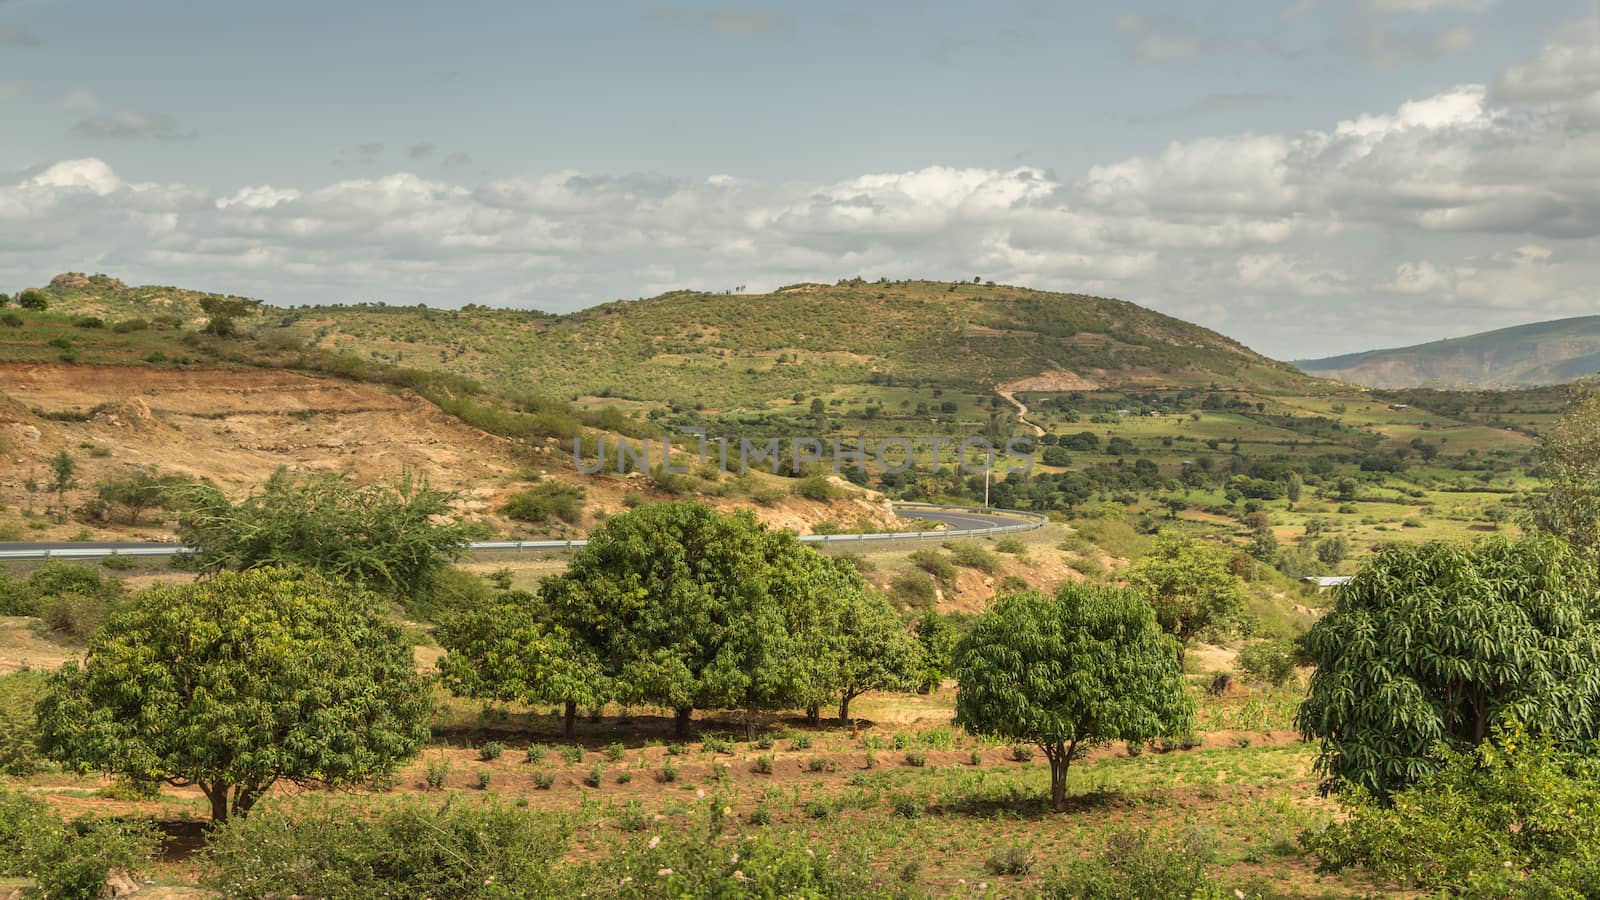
pixel 744 350
pixel 1542 353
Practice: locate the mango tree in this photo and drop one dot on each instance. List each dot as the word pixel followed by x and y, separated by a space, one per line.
pixel 238 682
pixel 1069 673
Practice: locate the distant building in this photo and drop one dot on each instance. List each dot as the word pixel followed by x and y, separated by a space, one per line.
pixel 1399 406
pixel 1326 582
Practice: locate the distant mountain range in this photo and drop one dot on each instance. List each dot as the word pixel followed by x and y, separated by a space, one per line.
pixel 1555 352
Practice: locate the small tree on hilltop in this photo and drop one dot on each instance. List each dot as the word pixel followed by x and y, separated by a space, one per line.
pixel 63 478
pixel 1189 584
pixel 140 491
pixel 505 651
pixel 238 682
pixel 1070 672
pixel 1437 643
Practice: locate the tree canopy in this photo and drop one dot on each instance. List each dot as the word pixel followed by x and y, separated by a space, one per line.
pixel 1070 672
pixel 691 609
pixel 1437 643
pixel 238 682
pixel 1190 586
pixel 390 538
pixel 1569 455
pixel 506 650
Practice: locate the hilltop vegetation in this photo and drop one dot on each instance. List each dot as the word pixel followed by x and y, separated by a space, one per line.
pixel 1541 353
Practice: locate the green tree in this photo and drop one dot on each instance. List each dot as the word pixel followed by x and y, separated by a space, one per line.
pixel 34 300
pixel 1333 551
pixel 140 491
pixel 238 682
pixel 223 311
pixel 505 651
pixel 1191 587
pixel 1436 643
pixel 1069 673
pixel 936 639
pixel 879 654
pixel 1294 485
pixel 1569 457
pixel 392 538
pixel 691 609
pixel 5 300
pixel 63 478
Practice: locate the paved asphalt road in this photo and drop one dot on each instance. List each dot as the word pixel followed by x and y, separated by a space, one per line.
pixel 958 520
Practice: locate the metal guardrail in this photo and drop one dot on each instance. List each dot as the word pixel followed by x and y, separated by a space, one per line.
pixel 1026 521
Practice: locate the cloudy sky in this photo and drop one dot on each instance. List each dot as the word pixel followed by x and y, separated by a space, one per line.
pixel 1309 176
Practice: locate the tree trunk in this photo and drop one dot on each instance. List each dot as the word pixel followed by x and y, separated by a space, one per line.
pixel 569 725
pixel 750 724
pixel 1060 761
pixel 680 721
pixel 218 795
pixel 844 708
pixel 813 714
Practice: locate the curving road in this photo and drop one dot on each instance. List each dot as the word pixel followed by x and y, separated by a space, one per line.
pixel 961 521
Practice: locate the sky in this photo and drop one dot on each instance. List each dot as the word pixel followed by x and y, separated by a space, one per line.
pixel 1311 177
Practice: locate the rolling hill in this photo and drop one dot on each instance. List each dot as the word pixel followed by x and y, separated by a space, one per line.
pixel 750 351
pixel 1542 353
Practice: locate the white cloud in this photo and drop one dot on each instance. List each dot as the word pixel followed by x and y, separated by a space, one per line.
pixel 1471 207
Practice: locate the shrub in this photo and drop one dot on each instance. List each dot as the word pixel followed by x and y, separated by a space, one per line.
pixel 537 752
pixel 1269 661
pixel 764 742
pixel 572 753
pixel 818 488
pixel 669 771
pixel 765 764
pixel 934 563
pixel 1022 753
pixel 130 325
pixel 914 589
pixel 1154 865
pixel 11 320
pixel 485 776
pixel 1515 816
pixel 596 776
pixel 908 807
pixel 800 742
pixel 407 848
pixel 916 758
pixel 972 556
pixel 68 859
pixel 1014 860
pixel 491 751
pixel 436 772
pixel 616 751
pixel 544 779
pixel 820 764
pixel 761 815
pixel 19 732
pixel 545 500
pixel 1011 545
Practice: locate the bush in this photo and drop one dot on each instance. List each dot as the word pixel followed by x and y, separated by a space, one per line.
pixel 1011 545
pixel 1016 860
pixel 68 859
pixel 491 751
pixel 934 563
pixel 572 753
pixel 616 751
pixel 20 692
pixel 1147 865
pixel 669 771
pixel 130 325
pixel 1022 753
pixel 407 848
pixel 914 589
pixel 818 488
pixel 11 320
pixel 88 322
pixel 973 556
pixel 75 616
pixel 916 758
pixel 1515 816
pixel 907 806
pixel 765 764
pixel 436 772
pixel 1269 661
pixel 545 500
